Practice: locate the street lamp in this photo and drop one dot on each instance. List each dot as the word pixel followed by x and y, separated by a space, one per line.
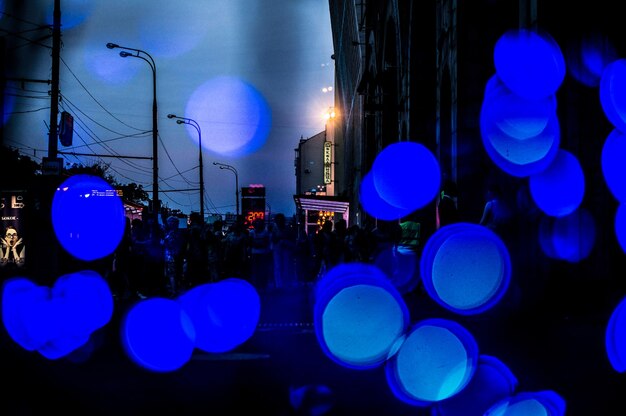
pixel 138 53
pixel 232 169
pixel 191 122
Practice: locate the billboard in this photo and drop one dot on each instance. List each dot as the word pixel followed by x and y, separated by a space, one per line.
pixel 12 244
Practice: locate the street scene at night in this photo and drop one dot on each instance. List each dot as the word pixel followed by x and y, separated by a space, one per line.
pixel 312 207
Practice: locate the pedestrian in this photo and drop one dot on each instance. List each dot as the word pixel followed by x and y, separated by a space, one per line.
pixel 196 271
pixel 447 208
pixel 235 249
pixel 174 245
pixel 283 247
pixel 260 252
pixel 118 276
pixel 406 276
pixel 214 237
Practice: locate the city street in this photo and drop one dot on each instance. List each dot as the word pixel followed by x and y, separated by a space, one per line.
pixel 283 355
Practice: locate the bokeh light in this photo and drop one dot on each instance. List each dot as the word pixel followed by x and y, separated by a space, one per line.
pixel 158 335
pixel 574 235
pixel 588 56
pixel 613 93
pixel 541 403
pixel 514 115
pixel 559 189
pixel 620 226
pixel 530 63
pixel 186 26
pixel 406 175
pixel 87 301
pixel 88 217
pixel 105 64
pixel 615 337
pixel 612 160
pixel 56 321
pixel 375 205
pixel 570 238
pixel 233 115
pixel 401 269
pixel 224 314
pixel 436 361
pixel 23 312
pixel 465 268
pixel 520 154
pixel 493 381
pixel 358 315
pixel 74 13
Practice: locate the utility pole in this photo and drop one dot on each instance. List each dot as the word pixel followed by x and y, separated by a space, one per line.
pixel 54 95
pixel 51 165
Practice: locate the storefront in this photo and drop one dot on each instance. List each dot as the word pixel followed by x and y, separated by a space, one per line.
pixel 316 209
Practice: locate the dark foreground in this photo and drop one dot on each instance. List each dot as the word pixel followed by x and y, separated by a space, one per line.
pixel 545 347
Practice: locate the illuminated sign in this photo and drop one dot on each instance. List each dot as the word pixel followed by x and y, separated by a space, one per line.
pixel 328 146
pixel 253 207
pixel 254 215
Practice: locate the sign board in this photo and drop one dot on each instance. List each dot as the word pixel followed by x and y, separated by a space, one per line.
pixel 12 231
pixel 328 147
pixel 51 166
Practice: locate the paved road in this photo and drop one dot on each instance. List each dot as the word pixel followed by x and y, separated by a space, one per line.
pixel 548 347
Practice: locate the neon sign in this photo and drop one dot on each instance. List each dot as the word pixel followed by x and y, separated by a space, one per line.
pixel 254 215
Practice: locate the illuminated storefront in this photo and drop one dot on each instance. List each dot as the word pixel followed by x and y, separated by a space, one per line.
pixel 318 208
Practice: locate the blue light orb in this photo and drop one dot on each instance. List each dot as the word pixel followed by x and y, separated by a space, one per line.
pixel 436 361
pixel 375 205
pixel 558 190
pixel 530 63
pixel 85 302
pixel 104 64
pixel 620 226
pixel 612 160
pixel 542 403
pixel 88 217
pixel 514 115
pixel 233 115
pixel 158 335
pixel 224 314
pixel 402 268
pixel 56 321
pixel 574 235
pixel 613 93
pixel 465 268
pixel 492 382
pixel 588 57
pixel 358 315
pixel 520 157
pixel 615 337
pixel 186 26
pixel 406 175
pixel 24 306
pixel 75 12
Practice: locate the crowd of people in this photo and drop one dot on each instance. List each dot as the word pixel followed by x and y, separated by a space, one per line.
pixel 270 255
pixel 278 253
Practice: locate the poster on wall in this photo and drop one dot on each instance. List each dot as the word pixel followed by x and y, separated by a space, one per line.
pixel 12 244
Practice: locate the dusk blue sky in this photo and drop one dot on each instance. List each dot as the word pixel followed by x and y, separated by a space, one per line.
pixel 250 72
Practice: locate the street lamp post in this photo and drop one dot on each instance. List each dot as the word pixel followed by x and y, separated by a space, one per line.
pixel 138 53
pixel 232 169
pixel 191 122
